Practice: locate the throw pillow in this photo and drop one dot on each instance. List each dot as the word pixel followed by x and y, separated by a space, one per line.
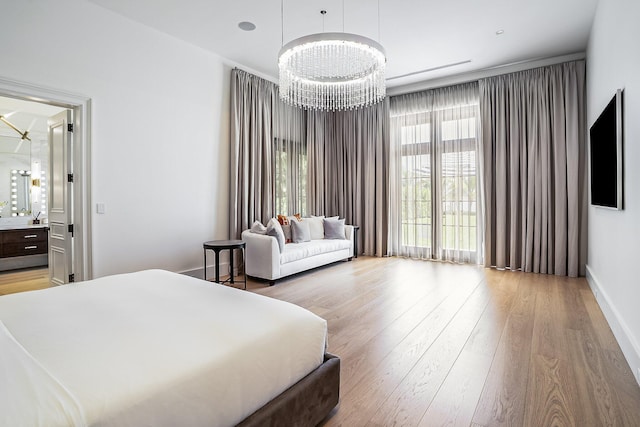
pixel 283 220
pixel 334 228
pixel 300 231
pixel 286 229
pixel 275 229
pixel 258 228
pixel 316 227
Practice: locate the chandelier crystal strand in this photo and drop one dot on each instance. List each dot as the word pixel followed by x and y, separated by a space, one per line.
pixel 332 72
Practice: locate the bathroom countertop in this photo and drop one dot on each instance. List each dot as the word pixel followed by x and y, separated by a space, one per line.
pixel 21 226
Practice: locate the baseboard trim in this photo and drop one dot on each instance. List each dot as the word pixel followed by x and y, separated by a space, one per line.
pixel 211 271
pixel 621 330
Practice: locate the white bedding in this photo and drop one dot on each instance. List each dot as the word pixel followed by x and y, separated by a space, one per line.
pixel 151 348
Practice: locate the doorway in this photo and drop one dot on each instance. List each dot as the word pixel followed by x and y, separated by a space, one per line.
pixel 72 175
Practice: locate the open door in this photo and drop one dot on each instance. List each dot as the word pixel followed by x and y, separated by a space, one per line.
pixel 61 198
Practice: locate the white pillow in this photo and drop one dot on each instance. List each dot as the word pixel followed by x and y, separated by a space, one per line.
pixel 316 227
pixel 258 228
pixel 275 229
pixel 300 231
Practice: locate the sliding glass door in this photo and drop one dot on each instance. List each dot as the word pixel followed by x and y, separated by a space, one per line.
pixel 435 185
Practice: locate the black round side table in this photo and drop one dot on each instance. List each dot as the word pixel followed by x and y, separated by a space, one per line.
pixel 218 245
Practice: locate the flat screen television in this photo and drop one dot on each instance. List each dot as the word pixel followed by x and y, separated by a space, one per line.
pixel 606 156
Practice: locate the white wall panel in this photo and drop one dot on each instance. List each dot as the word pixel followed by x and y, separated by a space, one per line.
pixel 613 61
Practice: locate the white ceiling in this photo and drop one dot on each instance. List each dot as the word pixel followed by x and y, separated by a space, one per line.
pixel 417 34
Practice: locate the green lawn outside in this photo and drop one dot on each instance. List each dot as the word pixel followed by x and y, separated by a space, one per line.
pixel 418 232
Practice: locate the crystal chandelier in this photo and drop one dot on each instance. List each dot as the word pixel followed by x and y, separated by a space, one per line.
pixel 332 72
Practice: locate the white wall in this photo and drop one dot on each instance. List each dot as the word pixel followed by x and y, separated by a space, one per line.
pixel 613 61
pixel 159 127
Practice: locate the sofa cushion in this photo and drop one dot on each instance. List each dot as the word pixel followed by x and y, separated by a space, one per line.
pixel 296 251
pixel 300 231
pixel 316 227
pixel 275 229
pixel 258 228
pixel 334 228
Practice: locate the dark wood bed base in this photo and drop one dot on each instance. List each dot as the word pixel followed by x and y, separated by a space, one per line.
pixel 305 403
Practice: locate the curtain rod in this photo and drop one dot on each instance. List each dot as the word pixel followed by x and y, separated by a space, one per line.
pixel 471 76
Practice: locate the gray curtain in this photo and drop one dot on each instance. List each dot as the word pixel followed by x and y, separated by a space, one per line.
pixel 533 127
pixel 251 192
pixel 348 170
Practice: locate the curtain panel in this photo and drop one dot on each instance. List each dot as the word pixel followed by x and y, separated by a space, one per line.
pixel 533 126
pixel 252 188
pixel 436 205
pixel 348 170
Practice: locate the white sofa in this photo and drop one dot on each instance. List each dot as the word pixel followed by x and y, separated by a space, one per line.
pixel 264 260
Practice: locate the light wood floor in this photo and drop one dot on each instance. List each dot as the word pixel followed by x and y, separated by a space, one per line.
pixel 431 344
pixel 23 280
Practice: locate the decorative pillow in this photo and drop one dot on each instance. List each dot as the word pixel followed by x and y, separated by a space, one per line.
pixel 300 231
pixel 286 229
pixel 275 229
pixel 258 228
pixel 316 227
pixel 334 228
pixel 283 220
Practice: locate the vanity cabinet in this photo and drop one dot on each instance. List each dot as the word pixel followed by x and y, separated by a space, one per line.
pixel 31 241
pixel 23 247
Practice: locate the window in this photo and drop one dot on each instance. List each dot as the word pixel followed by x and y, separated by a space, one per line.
pixel 290 177
pixel 438 184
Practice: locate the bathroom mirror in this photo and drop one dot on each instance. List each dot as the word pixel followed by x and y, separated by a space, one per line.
pixel 20 192
pixel 15 155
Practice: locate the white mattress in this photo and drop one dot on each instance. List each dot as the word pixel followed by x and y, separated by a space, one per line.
pixel 151 348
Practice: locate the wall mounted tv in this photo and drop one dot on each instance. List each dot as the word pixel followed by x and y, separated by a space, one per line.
pixel 606 156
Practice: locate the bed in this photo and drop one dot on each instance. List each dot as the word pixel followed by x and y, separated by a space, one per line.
pixel 157 348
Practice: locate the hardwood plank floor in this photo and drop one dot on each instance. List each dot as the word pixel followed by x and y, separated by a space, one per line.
pixel 434 344
pixel 30 279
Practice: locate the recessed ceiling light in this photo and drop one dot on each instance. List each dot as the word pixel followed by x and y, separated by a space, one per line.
pixel 499 32
pixel 247 26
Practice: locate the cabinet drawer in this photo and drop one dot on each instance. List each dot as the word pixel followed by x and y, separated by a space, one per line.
pixel 25 236
pixel 24 248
